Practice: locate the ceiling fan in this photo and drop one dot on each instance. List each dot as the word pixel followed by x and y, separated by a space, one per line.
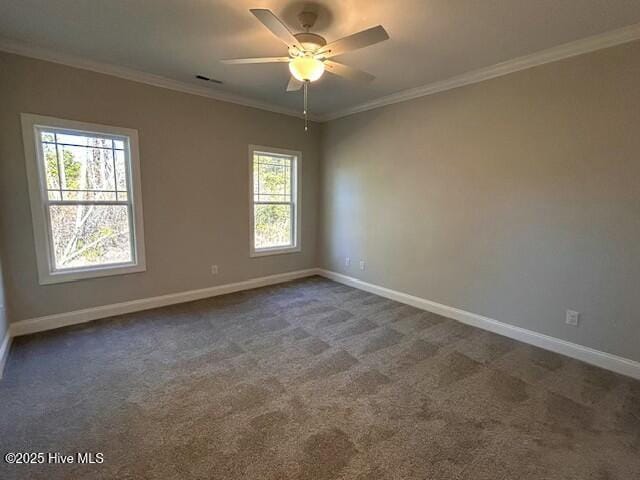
pixel 310 54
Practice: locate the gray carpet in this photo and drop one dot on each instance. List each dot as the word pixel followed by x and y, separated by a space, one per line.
pixel 310 380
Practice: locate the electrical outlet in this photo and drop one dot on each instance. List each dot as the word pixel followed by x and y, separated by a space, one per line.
pixel 362 264
pixel 214 269
pixel 347 261
pixel 572 318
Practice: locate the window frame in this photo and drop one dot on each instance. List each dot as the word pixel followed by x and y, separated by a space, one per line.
pixel 296 201
pixel 36 176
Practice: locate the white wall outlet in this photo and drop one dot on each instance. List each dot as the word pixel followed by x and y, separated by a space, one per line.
pixel 214 269
pixel 362 265
pixel 573 318
pixel 347 261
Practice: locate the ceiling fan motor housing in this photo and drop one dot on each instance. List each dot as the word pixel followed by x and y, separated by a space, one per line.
pixel 310 41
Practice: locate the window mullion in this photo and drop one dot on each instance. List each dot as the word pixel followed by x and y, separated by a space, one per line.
pixel 132 233
pixel 292 219
pixel 115 175
pixel 55 138
pixel 292 223
pixel 254 166
pixel 87 202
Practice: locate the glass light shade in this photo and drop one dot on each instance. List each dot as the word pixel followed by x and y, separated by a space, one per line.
pixel 306 68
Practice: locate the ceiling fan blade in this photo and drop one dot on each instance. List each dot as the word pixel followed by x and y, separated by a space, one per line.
pixel 294 85
pixel 256 60
pixel 347 72
pixel 361 39
pixel 276 26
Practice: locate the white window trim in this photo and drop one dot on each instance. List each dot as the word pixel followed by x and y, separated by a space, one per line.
pixel 297 202
pixel 37 189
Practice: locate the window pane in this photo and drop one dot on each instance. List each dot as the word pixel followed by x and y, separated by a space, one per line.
pixel 272 179
pixel 273 159
pixel 88 195
pixel 86 168
pixel 51 165
pixel 84 140
pixel 47 136
pixel 90 235
pixel 272 226
pixel 121 171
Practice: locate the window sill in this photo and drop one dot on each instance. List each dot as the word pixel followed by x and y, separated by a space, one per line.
pixel 86 274
pixel 274 251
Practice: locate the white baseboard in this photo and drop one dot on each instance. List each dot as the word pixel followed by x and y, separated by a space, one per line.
pixel 49 322
pixel 598 358
pixel 4 351
pixel 605 360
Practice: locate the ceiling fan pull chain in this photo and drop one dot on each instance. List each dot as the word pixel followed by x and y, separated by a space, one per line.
pixel 306 123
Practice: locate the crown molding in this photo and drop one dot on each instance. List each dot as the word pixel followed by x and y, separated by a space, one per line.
pixel 127 73
pixel 553 54
pixel 571 49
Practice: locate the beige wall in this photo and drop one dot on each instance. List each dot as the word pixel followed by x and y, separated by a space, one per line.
pixel 4 323
pixel 515 198
pixel 193 154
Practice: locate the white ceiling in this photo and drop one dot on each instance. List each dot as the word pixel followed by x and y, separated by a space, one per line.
pixel 431 40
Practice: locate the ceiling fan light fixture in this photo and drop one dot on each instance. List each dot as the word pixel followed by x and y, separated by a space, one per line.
pixel 306 68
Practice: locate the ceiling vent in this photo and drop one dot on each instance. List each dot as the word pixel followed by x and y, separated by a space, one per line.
pixel 207 79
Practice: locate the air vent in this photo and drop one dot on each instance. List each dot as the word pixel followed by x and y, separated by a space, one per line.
pixel 207 79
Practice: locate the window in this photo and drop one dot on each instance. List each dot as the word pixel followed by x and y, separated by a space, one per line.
pixel 84 185
pixel 275 200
